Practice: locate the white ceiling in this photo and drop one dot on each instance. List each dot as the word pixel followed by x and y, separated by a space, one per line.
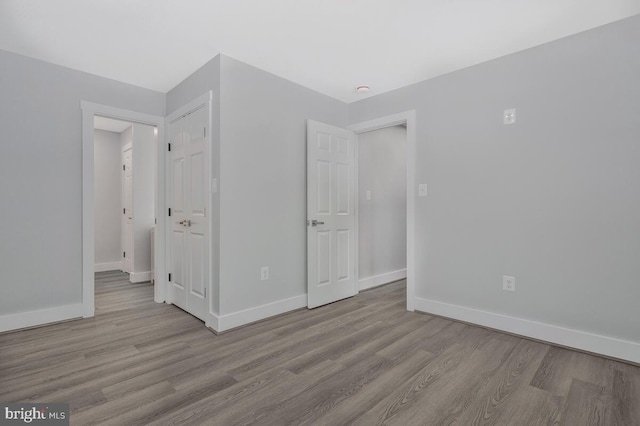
pixel 330 46
pixel 110 124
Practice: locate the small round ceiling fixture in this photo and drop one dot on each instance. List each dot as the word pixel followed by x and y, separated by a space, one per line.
pixel 363 89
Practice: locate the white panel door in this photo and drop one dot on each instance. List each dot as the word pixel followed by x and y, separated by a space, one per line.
pixel 189 240
pixel 127 209
pixel 331 244
pixel 197 224
pixel 178 203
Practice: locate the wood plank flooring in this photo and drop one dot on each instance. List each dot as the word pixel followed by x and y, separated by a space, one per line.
pixel 361 361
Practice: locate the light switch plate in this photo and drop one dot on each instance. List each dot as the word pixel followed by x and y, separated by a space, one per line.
pixel 422 190
pixel 368 195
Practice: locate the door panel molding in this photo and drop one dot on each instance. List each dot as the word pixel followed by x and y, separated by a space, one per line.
pixel 193 149
pixel 331 247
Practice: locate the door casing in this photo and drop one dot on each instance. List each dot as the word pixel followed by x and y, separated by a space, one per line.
pixel 89 110
pixel 409 119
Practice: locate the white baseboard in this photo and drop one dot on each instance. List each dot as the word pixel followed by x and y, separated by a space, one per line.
pixel 109 266
pixel 236 319
pixel 376 280
pixel 39 317
pixel 140 277
pixel 213 322
pixel 604 345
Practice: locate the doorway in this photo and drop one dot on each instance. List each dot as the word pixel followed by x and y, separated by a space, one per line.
pixel 382 206
pixel 125 182
pixel 89 112
pixel 408 121
pixel 332 255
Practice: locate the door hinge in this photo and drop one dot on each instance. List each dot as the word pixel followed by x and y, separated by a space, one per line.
pixel 169 147
pixel 123 167
pixel 169 211
pixel 169 277
pixel 124 254
pixel 155 220
pixel 124 211
pixel 205 292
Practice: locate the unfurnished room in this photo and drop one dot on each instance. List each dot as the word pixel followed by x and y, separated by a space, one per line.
pixel 329 212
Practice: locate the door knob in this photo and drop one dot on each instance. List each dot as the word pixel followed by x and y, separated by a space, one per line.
pixel 316 223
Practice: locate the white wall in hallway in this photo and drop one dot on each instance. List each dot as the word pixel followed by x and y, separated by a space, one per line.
pixel 382 193
pixel 107 198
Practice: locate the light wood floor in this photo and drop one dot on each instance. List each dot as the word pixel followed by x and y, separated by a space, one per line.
pixel 362 361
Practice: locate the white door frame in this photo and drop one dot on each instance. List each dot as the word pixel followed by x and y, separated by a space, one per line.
pixel 408 118
pixel 89 110
pixel 123 222
pixel 205 99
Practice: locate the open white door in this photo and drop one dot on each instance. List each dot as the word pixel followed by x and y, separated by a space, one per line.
pixel 331 242
pixel 189 242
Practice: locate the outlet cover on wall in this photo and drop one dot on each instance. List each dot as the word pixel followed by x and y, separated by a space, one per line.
pixel 509 283
pixel 422 190
pixel 264 273
pixel 509 116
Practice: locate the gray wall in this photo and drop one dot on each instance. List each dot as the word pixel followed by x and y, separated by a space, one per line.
pixel 203 79
pixel 107 195
pixel 263 183
pixel 40 176
pixel 144 141
pixel 382 169
pixel 553 200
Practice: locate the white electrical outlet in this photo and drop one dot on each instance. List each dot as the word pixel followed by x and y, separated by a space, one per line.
pixel 509 116
pixel 264 273
pixel 509 283
pixel 422 190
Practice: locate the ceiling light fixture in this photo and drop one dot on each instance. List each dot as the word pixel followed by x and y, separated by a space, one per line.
pixel 363 89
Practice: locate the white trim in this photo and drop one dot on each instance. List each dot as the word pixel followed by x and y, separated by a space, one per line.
pixel 213 322
pixel 408 118
pixel 90 109
pixel 248 316
pixel 40 317
pixel 109 266
pixel 140 277
pixel 206 100
pixel 604 345
pixel 378 280
pixel 203 99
